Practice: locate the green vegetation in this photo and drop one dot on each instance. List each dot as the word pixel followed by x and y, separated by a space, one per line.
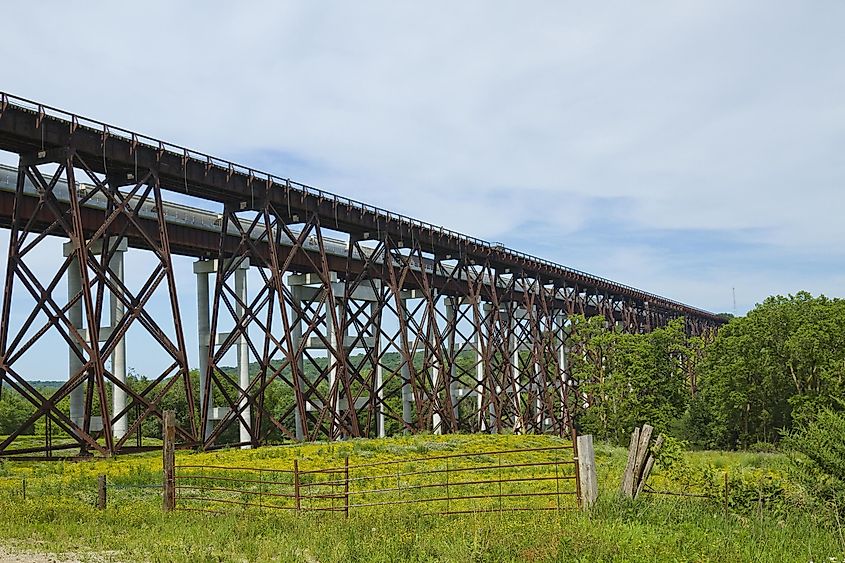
pixel 59 515
pixel 820 468
pixel 767 384
pixel 631 379
pixel 14 411
pixel 761 375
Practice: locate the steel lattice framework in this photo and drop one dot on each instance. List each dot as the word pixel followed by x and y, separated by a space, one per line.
pixel 403 326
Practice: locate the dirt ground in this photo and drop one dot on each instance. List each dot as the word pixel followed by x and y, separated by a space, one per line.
pixel 10 554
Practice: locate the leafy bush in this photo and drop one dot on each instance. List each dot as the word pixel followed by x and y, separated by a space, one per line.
pixel 14 410
pixel 820 467
pixel 749 489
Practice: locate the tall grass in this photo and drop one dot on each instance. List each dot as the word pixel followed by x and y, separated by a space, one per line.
pixel 59 515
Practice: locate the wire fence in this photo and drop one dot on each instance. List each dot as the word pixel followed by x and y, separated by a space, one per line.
pixel 86 490
pixel 535 479
pixel 733 492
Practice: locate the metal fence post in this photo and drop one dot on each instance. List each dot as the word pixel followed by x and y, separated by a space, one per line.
pixel 448 499
pixel 169 459
pixel 296 494
pixel 346 488
pixel 500 482
pixel 557 487
pixel 260 489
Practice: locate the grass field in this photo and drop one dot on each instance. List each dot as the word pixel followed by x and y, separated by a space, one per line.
pixel 58 514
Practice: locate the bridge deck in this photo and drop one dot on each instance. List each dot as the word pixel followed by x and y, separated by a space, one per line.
pixel 30 127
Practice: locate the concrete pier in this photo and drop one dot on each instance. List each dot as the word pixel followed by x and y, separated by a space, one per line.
pixel 118 358
pixel 203 269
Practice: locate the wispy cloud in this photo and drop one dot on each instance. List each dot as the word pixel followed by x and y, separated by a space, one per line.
pixel 683 147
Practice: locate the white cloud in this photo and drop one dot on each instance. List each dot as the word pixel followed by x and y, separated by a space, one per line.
pixel 497 119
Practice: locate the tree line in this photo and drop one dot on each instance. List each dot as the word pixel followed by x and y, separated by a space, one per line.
pixel 758 378
pixel 752 382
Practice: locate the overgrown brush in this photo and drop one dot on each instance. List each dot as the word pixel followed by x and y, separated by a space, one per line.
pixel 820 464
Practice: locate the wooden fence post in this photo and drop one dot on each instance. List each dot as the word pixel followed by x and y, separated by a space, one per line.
pixel 168 434
pixel 649 465
pixel 642 453
pixel 628 476
pixel 641 459
pixel 101 492
pixel 296 494
pixel 574 435
pixel 587 471
pixel 346 488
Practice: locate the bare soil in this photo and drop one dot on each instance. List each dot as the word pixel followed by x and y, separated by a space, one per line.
pixel 16 554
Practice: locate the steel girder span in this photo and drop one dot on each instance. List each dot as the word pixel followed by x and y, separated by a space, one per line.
pixel 357 321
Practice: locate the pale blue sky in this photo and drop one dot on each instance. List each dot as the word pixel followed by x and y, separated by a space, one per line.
pixel 682 147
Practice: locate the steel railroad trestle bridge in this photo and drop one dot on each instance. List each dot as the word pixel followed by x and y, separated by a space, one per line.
pixel 337 288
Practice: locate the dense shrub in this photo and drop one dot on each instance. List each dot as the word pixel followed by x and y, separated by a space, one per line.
pixel 820 463
pixel 14 410
pixel 768 371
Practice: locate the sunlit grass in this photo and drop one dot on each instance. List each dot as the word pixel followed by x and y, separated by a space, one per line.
pixel 59 514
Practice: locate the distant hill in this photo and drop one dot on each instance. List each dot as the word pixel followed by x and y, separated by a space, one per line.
pixel 38 384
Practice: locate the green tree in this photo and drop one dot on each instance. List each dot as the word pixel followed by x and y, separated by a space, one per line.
pixel 14 410
pixel 630 379
pixel 781 363
pixel 820 468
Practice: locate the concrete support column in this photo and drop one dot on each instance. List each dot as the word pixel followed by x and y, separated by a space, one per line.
pixel 77 394
pixel 479 379
pixel 207 341
pixel 540 383
pixel 405 372
pixel 452 305
pixel 544 325
pixel 380 432
pixel 493 390
pixel 407 395
pixel 311 288
pixel 513 346
pixel 116 313
pixel 436 419
pixel 331 337
pixel 116 266
pixel 296 342
pixel 563 360
pixel 335 394
pixel 204 336
pixel 243 356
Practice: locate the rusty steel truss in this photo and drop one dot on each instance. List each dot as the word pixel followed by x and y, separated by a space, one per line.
pixel 396 326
